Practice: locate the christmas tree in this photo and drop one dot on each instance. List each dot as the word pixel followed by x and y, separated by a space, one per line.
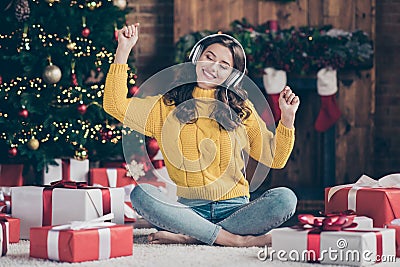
pixel 54 56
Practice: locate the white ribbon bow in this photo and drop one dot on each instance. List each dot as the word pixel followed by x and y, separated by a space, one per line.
pixel 53 252
pixel 388 181
pixel 95 223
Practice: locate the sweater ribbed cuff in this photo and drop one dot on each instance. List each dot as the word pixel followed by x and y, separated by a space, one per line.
pixel 118 68
pixel 284 130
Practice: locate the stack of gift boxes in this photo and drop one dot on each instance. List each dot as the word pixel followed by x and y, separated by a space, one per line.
pixel 358 226
pixel 71 192
pixel 344 235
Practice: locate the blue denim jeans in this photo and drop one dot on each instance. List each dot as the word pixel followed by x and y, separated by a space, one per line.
pixel 203 220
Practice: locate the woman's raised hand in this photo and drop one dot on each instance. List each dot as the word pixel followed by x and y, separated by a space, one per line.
pixel 288 103
pixel 127 39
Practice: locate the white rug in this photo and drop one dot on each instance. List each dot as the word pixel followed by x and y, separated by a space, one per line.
pixel 160 256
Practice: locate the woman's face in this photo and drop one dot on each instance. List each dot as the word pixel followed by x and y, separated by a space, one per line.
pixel 214 66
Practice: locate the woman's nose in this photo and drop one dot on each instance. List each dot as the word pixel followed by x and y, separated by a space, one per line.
pixel 214 66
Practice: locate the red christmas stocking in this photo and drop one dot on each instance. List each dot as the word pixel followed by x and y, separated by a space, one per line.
pixel 329 111
pixel 274 81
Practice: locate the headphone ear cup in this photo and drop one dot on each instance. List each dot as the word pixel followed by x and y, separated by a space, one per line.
pixel 197 53
pixel 233 78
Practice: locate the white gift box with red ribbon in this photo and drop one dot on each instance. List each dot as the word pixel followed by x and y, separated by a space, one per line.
pixel 67 169
pixel 355 247
pixel 32 205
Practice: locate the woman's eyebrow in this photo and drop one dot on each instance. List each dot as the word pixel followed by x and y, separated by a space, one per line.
pixel 223 61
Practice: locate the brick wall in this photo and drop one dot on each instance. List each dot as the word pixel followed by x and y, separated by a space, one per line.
pixel 154 50
pixel 387 115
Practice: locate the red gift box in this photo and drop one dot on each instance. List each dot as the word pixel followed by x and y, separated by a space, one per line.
pixel 11 174
pixel 367 197
pixel 13 227
pixel 114 164
pixel 81 245
pixel 4 241
pixel 110 177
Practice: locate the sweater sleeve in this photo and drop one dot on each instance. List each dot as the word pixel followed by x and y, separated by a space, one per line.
pixel 140 114
pixel 272 151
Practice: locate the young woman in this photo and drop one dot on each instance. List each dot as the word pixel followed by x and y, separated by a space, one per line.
pixel 202 128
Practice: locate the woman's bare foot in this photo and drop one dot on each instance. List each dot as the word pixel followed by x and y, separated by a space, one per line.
pixel 226 238
pixel 165 237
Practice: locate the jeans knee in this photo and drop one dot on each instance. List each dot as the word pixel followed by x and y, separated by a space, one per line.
pixel 287 197
pixel 140 193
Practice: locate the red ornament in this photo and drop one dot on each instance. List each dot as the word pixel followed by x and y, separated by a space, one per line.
pixel 74 80
pixel 152 147
pixel 1 79
pixel 82 109
pixel 133 90
pixel 85 32
pixel 12 152
pixel 110 134
pixel 23 113
pixel 116 35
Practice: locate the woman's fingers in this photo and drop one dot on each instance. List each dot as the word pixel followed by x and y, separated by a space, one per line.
pixel 130 30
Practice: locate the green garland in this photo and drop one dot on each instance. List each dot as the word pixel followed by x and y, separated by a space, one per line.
pixel 301 50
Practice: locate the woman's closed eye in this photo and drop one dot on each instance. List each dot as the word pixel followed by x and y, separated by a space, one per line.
pixel 222 66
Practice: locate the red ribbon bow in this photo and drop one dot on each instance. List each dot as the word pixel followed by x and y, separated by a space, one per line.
pixel 68 184
pixel 332 222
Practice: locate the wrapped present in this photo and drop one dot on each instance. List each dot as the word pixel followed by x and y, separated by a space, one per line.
pixel 112 177
pixel 5 199
pixel 332 240
pixel 376 199
pixel 81 241
pixel 395 224
pixel 11 174
pixel 4 236
pixel 13 227
pixel 67 169
pixel 64 202
pixel 116 177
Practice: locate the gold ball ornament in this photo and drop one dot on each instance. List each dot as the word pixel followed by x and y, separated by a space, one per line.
pixel 81 154
pixel 51 1
pixel 52 74
pixel 33 144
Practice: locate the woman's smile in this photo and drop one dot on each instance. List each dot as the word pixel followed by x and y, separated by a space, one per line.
pixel 208 74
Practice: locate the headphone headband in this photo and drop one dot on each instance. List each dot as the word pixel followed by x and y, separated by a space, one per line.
pixel 197 49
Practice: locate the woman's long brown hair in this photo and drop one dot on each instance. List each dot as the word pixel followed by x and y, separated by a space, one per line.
pixel 182 92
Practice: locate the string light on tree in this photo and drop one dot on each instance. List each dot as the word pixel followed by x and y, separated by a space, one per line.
pixel 81 153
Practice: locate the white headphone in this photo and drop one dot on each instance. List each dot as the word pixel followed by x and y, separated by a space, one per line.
pixel 236 76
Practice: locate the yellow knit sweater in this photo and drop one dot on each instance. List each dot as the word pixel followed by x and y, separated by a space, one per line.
pixel 203 160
